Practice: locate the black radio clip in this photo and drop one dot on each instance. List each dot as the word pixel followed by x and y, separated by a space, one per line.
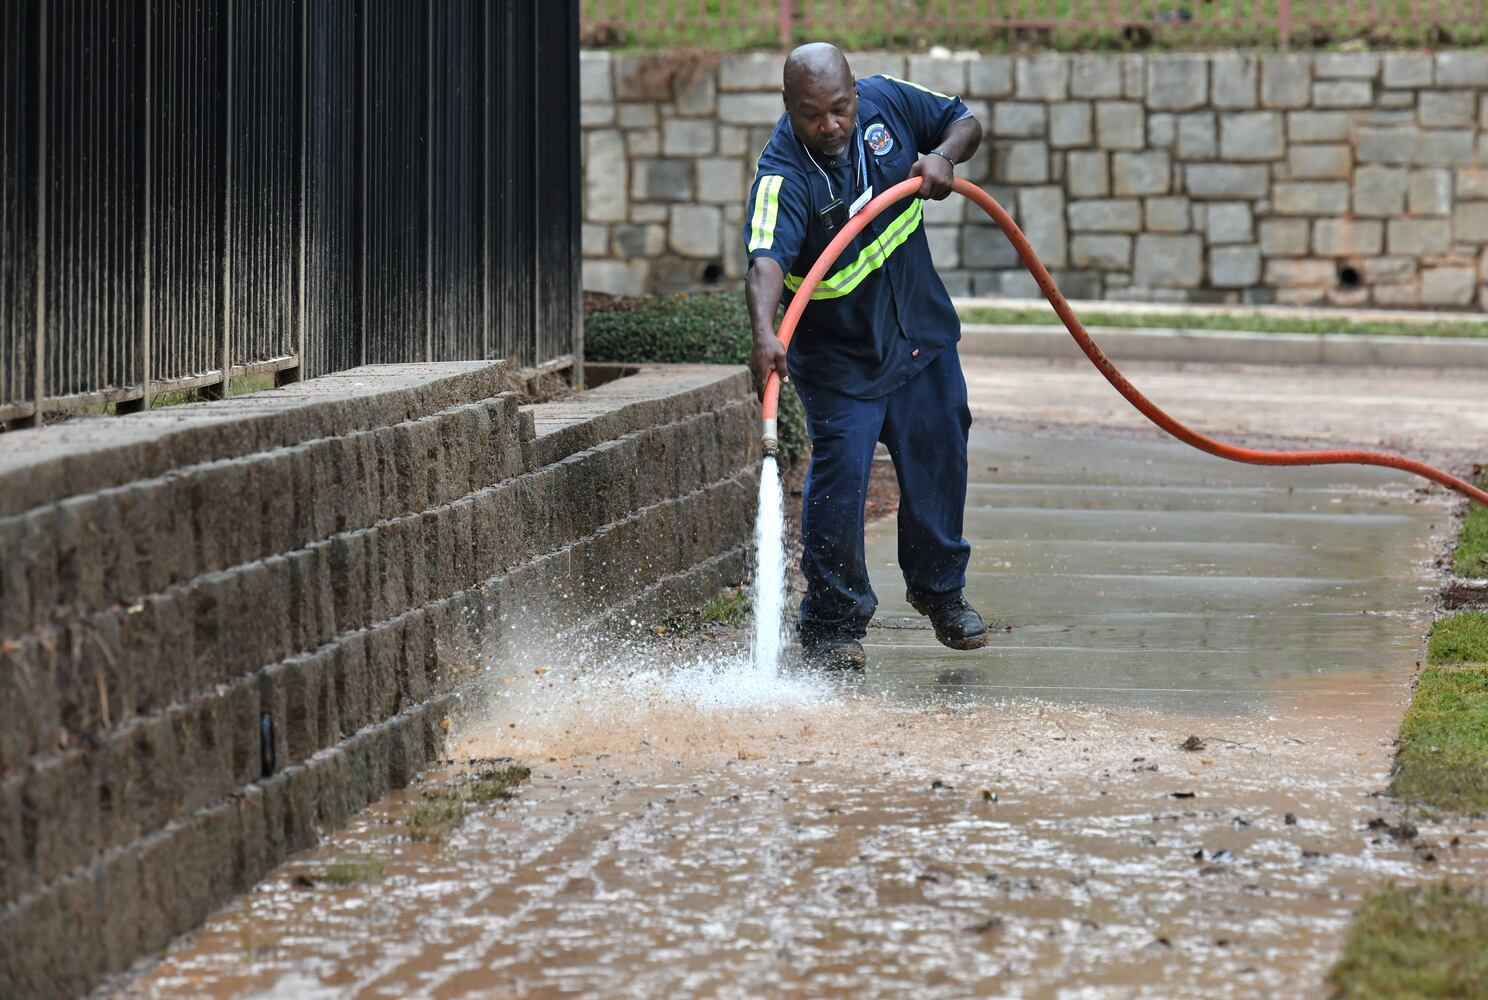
pixel 834 216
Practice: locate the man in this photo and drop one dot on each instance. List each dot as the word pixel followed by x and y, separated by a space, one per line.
pixel 874 358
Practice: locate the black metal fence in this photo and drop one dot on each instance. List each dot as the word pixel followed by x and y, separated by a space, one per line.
pixel 196 190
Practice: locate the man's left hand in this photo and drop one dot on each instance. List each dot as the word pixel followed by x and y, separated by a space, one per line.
pixel 936 176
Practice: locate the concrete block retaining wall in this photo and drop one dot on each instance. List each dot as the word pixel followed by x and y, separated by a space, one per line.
pixel 1343 178
pixel 318 557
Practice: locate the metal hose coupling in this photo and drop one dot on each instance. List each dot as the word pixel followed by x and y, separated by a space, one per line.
pixel 771 439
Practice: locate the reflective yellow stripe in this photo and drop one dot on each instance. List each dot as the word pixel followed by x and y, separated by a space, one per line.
pixel 916 86
pixel 869 260
pixel 772 212
pixel 766 210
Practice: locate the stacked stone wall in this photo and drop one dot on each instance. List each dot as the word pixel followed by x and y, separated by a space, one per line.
pixel 1343 178
pixel 224 628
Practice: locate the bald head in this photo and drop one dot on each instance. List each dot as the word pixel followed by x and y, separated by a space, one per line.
pixel 820 97
pixel 815 62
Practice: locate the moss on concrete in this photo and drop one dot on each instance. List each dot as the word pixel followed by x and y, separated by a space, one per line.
pixel 439 809
pixel 354 870
pixel 1420 942
pixel 496 784
pixel 434 815
pixel 728 608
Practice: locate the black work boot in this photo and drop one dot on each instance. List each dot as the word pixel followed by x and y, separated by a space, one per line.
pixel 957 624
pixel 832 651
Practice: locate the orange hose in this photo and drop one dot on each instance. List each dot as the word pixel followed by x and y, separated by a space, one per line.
pixel 1072 323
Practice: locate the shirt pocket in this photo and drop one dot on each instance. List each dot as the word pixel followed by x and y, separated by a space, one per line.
pixel 893 166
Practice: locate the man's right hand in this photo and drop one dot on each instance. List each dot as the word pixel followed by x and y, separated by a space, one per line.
pixel 768 355
pixel 763 286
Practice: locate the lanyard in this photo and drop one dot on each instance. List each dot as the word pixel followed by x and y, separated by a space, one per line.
pixel 862 164
pixel 862 159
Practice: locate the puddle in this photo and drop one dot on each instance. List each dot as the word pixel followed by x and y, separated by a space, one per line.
pixel 1020 822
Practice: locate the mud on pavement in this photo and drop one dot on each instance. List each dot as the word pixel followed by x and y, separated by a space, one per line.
pixel 845 846
pixel 1139 791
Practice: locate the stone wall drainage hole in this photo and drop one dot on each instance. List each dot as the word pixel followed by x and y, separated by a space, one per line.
pixel 266 743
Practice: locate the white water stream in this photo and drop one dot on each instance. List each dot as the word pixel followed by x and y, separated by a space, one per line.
pixel 769 576
pixel 554 695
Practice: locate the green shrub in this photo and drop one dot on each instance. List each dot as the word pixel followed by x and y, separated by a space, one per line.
pixel 688 329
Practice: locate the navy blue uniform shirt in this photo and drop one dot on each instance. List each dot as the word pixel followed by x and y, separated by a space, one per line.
pixel 881 314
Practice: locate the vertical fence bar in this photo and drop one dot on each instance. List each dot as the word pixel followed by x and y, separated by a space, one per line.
pixel 487 16
pixel 38 359
pixel 429 133
pixel 573 265
pixel 1284 22
pixel 228 40
pixel 303 214
pixel 534 85
pixel 365 154
pixel 147 255
pixel 787 19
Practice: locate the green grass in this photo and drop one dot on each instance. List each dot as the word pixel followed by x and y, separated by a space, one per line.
pixel 1442 763
pixel 1459 638
pixel 1256 322
pixel 1442 760
pixel 1416 943
pixel 1471 555
pixel 980 24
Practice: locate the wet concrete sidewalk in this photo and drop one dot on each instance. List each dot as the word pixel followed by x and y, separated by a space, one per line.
pixel 1143 574
pixel 1019 821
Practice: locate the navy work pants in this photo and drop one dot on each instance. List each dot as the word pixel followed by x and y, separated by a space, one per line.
pixel 924 424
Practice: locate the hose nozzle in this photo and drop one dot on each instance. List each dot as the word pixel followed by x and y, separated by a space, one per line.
pixel 771 439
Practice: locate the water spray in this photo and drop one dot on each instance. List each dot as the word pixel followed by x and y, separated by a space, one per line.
pixel 768 596
pixel 1077 330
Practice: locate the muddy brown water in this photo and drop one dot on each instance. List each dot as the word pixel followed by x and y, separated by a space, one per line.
pixel 1021 821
